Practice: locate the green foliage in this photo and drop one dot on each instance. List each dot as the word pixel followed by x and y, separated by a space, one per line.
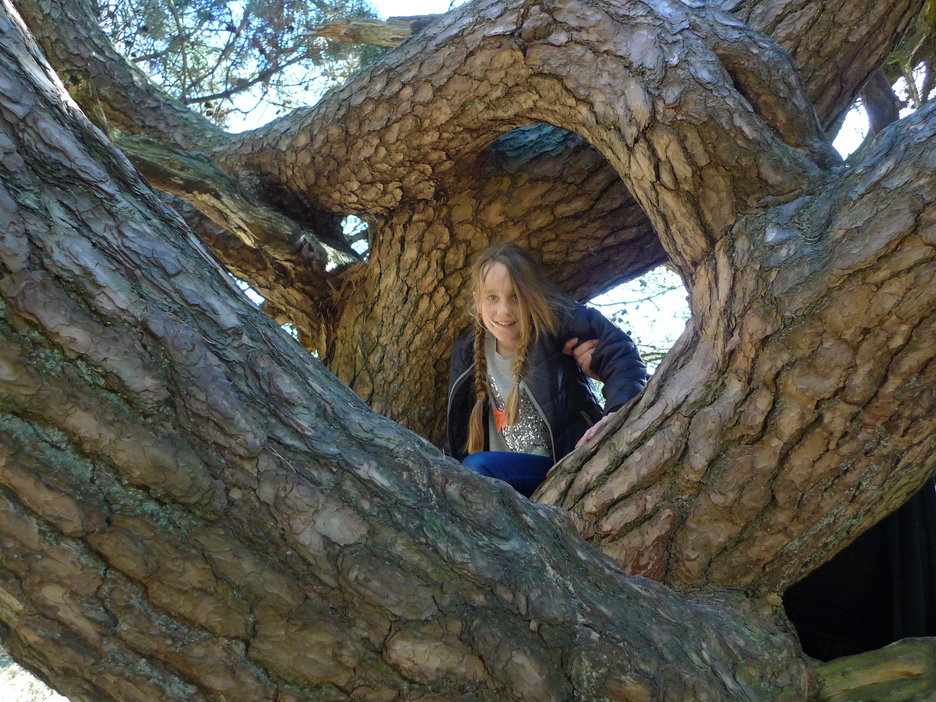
pixel 223 57
pixel 914 60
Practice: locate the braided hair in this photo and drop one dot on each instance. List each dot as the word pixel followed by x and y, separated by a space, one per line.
pixel 538 301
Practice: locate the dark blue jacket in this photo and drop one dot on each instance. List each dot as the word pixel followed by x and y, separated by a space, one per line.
pixel 558 387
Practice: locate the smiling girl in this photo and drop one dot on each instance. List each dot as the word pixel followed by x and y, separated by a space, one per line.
pixel 517 402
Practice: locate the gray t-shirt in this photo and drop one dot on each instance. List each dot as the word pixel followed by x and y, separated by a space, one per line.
pixel 530 433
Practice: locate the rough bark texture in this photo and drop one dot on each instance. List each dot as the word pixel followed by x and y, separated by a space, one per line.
pixel 835 45
pixel 395 136
pixel 414 297
pixel 592 229
pixel 194 508
pixel 215 516
pixel 110 86
pixel 799 402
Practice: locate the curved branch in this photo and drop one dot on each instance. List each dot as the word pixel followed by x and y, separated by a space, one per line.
pixel 784 423
pixel 194 178
pixel 151 113
pixel 863 34
pixel 74 43
pixel 902 672
pixel 835 45
pixel 395 131
pixel 294 293
pixel 214 512
pixel 392 31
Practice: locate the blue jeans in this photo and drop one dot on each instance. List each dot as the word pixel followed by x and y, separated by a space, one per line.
pixel 522 471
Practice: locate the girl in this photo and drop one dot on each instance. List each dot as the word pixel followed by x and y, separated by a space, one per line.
pixel 517 403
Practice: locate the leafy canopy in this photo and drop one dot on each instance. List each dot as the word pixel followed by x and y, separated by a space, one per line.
pixel 223 57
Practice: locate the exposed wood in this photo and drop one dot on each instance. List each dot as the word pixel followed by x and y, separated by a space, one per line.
pixel 900 672
pixel 194 178
pixel 392 31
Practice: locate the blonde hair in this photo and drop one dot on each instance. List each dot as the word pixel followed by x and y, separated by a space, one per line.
pixel 537 300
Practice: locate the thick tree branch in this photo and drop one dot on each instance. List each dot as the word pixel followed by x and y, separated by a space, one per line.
pixel 780 437
pixel 804 29
pixel 294 293
pixel 304 541
pixel 197 180
pixel 754 12
pixel 380 140
pixel 86 60
pixel 902 672
pixel 835 45
pixel 392 31
pixel 167 142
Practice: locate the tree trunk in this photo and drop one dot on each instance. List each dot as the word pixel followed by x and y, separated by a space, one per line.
pixel 377 142
pixel 414 298
pixel 782 421
pixel 194 508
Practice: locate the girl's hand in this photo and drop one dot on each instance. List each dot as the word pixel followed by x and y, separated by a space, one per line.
pixel 594 429
pixel 582 353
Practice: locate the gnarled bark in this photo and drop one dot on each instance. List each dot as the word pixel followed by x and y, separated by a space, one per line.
pixel 835 45
pixel 194 508
pixel 782 422
pixel 383 141
pixel 216 516
pixel 614 252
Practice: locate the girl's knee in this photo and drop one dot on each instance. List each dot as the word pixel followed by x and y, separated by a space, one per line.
pixel 477 462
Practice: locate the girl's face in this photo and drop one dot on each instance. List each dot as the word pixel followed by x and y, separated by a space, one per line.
pixel 500 308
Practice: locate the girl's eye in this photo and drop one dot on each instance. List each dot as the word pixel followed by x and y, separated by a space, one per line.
pixel 492 298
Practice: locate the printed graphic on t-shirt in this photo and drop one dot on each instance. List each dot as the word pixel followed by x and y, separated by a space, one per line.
pixel 528 434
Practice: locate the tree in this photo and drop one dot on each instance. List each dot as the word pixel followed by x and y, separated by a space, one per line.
pixel 195 508
pixel 207 53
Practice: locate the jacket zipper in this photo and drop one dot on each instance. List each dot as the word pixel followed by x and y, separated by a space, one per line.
pixel 552 441
pixel 525 388
pixel 455 385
